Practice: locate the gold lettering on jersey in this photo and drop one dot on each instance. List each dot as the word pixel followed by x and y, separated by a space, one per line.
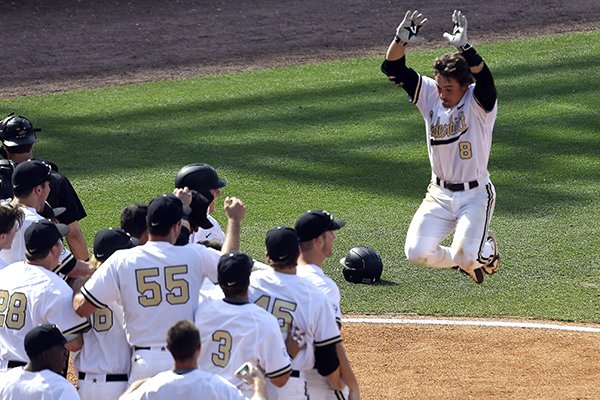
pixel 455 125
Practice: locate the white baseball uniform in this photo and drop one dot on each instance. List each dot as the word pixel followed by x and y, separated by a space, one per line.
pixel 17 250
pixel 461 197
pixel 232 334
pixel 170 385
pixel 214 233
pixel 104 361
pixel 294 300
pixel 30 295
pixel 318 387
pixel 157 284
pixel 18 384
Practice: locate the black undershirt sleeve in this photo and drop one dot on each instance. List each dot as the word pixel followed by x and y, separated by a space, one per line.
pixel 485 90
pixel 326 359
pixel 401 75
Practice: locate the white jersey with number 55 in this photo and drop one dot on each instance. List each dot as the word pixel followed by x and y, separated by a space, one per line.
pixel 157 284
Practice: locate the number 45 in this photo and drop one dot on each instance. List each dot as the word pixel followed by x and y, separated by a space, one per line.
pixel 280 309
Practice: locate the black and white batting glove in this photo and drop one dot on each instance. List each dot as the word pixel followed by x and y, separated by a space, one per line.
pixel 409 28
pixel 458 37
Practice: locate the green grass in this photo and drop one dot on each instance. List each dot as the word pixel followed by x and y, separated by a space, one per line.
pixel 338 136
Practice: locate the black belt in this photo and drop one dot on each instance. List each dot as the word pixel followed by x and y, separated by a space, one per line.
pixel 162 348
pixel 295 374
pixel 109 377
pixel 15 364
pixel 455 187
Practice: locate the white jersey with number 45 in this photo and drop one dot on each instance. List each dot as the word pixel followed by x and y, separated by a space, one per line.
pixel 459 139
pixel 157 284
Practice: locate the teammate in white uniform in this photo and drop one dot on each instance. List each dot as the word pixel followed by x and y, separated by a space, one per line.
pixel 31 294
pixel 459 108
pixel 40 379
pixel 104 362
pixel 296 302
pixel 157 283
pixel 11 219
pixel 316 233
pixel 234 331
pixel 186 381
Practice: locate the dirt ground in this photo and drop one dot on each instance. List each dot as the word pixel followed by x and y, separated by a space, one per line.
pixel 59 45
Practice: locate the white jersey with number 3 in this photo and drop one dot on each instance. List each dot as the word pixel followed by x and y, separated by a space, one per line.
pixel 157 284
pixel 459 139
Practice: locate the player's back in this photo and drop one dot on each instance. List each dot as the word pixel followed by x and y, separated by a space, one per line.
pixel 18 384
pixel 232 334
pixel 157 284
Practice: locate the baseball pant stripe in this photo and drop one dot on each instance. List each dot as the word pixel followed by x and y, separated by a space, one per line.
pixel 488 217
pixel 339 395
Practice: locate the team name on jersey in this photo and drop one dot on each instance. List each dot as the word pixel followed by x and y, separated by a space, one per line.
pixel 455 125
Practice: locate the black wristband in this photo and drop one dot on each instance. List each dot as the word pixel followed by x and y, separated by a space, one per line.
pixel 470 55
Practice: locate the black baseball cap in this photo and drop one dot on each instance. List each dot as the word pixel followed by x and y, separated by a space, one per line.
pixel 42 338
pixel 199 209
pixel 50 213
pixel 282 244
pixel 29 174
pixel 234 268
pixel 200 177
pixel 165 210
pixel 314 223
pixel 41 235
pixel 107 241
pixel 16 130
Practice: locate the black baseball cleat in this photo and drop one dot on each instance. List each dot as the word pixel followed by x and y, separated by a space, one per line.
pixel 476 274
pixel 493 264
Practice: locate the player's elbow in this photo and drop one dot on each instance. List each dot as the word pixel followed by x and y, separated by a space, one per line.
pixel 280 381
pixel 75 344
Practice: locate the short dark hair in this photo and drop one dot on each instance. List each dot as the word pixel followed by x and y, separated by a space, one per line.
pixel 183 339
pixel 160 230
pixel 133 219
pixel 27 192
pixel 237 290
pixel 454 65
pixel 21 149
pixel 9 216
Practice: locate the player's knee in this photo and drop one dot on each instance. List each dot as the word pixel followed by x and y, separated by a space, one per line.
pixel 465 259
pixel 417 254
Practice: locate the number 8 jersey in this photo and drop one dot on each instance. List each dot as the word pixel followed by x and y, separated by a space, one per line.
pixel 157 284
pixel 459 139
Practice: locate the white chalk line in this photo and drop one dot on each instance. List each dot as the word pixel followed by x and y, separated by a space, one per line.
pixel 492 323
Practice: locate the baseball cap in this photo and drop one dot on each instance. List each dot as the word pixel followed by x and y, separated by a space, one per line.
pixel 234 268
pixel 200 177
pixel 282 244
pixel 41 235
pixel 314 223
pixel 165 210
pixel 16 130
pixel 50 213
pixel 29 174
pixel 199 209
pixel 107 241
pixel 43 338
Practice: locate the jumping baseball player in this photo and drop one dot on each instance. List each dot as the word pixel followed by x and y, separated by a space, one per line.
pixel 234 331
pixel 316 234
pixel 459 108
pixel 296 302
pixel 185 380
pixel 157 283
pixel 40 378
pixel 104 361
pixel 31 294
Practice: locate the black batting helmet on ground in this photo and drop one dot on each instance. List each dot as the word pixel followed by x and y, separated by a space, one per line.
pixel 362 264
pixel 200 177
pixel 17 131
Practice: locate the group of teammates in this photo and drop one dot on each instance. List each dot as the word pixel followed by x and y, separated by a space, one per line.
pixel 153 287
pixel 117 321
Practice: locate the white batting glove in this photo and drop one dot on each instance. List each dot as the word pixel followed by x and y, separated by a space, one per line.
pixel 458 37
pixel 409 28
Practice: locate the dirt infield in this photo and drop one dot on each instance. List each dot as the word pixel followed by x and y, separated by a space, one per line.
pixel 52 45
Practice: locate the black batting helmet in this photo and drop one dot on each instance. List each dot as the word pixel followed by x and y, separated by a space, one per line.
pixel 362 264
pixel 17 131
pixel 199 177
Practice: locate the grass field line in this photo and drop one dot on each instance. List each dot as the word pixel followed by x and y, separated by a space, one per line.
pixel 478 323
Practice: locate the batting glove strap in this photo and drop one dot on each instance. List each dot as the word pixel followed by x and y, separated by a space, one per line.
pixel 471 55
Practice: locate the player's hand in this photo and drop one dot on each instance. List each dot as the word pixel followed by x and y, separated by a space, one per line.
pixel 458 37
pixel 184 195
pixel 235 209
pixel 294 342
pixel 409 28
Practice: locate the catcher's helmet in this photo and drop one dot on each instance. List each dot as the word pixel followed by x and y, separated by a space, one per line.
pixel 17 131
pixel 199 177
pixel 362 264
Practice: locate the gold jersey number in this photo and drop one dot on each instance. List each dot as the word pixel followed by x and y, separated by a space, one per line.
pixel 12 309
pixel 280 309
pixel 178 289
